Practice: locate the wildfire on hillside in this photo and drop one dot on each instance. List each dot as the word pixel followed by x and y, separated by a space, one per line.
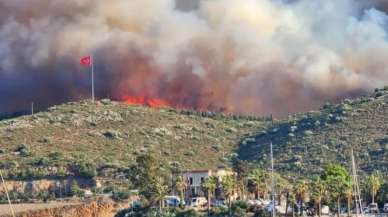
pixel 141 100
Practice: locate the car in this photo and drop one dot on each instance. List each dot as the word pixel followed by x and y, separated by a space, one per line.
pixel 325 210
pixel 366 210
pixel 373 208
pixel 278 208
pixel 385 209
pixel 256 202
pixel 198 202
pixel 216 203
pixel 173 201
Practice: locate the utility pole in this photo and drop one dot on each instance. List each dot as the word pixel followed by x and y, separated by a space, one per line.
pixel 6 192
pixel 32 108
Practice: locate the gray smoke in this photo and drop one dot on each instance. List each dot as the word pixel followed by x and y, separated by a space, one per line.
pixel 250 56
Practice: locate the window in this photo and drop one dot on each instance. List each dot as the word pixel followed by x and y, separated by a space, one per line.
pixel 202 179
pixel 191 180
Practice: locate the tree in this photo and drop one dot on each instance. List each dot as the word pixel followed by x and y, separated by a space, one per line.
pixel 301 192
pixel 290 198
pixel 382 196
pixel 147 176
pixel 160 190
pixel 180 185
pixel 338 181
pixel 260 179
pixel 209 185
pixel 228 186
pixel 318 189
pixel 282 186
pixel 374 183
pixel 242 169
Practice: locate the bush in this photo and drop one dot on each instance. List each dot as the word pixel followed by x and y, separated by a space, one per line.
pixel 187 213
pixel 75 190
pixel 87 170
pixel 262 213
pixel 219 211
pixel 23 150
pixel 56 156
pixel 240 208
pixel 121 195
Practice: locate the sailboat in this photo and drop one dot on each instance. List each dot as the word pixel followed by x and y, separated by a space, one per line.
pixel 356 188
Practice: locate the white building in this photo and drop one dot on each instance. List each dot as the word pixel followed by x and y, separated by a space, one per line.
pixel 195 178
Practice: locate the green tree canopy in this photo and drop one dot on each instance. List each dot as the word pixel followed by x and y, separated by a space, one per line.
pixel 338 182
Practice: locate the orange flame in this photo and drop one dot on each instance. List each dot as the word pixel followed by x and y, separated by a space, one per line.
pixel 141 100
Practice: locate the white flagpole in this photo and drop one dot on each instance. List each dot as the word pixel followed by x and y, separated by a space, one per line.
pixel 92 62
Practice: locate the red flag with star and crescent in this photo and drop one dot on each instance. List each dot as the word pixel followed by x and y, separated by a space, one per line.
pixel 86 61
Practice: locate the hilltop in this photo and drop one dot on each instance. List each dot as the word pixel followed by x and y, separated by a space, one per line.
pixel 305 142
pixel 70 138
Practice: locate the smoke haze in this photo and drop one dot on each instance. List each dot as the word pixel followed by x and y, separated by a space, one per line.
pixel 250 56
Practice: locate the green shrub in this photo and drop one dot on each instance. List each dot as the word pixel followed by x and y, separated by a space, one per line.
pixel 23 150
pixel 187 213
pixel 262 213
pixel 219 211
pixel 75 190
pixel 120 195
pixel 56 156
pixel 86 169
pixel 240 208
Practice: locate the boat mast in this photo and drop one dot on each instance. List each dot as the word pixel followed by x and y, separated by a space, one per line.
pixel 356 187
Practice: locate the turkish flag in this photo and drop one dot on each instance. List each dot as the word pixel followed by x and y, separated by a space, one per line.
pixel 86 61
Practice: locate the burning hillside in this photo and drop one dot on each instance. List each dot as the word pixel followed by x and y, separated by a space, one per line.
pixel 251 57
pixel 153 103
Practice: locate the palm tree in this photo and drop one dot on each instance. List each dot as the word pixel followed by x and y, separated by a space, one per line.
pixel 374 183
pixel 301 192
pixel 209 185
pixel 318 192
pixel 160 191
pixel 180 185
pixel 228 186
pixel 260 179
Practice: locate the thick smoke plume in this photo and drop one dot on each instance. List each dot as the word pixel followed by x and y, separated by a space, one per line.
pixel 242 56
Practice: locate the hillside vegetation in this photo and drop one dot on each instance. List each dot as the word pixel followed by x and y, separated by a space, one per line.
pixel 86 139
pixel 77 138
pixel 305 142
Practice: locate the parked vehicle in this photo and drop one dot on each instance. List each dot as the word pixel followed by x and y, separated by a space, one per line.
pixel 325 210
pixel 385 209
pixel 216 203
pixel 173 201
pixel 257 202
pixel 198 202
pixel 278 208
pixel 373 208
